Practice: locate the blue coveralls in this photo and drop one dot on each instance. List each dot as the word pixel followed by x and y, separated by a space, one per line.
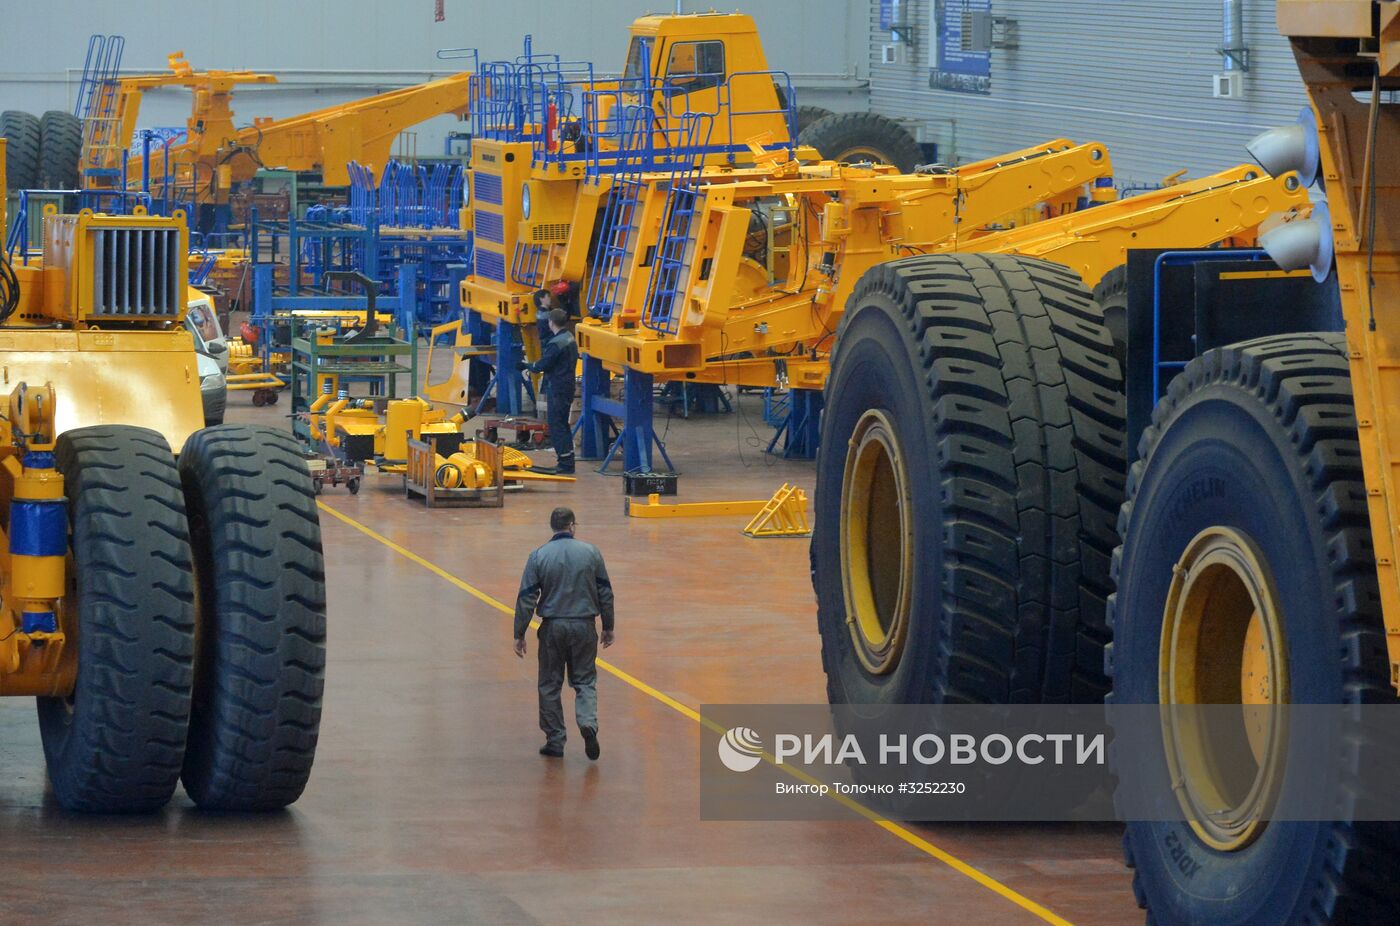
pixel 566 583
pixel 559 362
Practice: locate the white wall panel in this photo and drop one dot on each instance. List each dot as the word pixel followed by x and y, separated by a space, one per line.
pixel 1134 74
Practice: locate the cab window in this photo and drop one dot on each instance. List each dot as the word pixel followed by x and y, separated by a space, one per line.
pixel 695 66
pixel 637 54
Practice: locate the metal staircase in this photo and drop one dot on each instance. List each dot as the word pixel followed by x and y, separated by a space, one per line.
pixel 613 259
pixel 96 106
pixel 675 244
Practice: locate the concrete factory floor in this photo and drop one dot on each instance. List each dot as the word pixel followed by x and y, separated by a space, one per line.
pixel 429 804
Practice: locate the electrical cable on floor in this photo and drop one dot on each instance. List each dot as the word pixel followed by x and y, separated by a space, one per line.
pixel 740 418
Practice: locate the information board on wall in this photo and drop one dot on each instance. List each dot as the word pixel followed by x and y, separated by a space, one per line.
pixel 889 14
pixel 955 61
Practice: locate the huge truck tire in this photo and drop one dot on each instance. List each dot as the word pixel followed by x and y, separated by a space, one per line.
pixel 1112 296
pixel 1250 491
pixel 851 137
pixel 60 148
pixel 808 115
pixel 968 479
pixel 116 745
pixel 21 132
pixel 260 670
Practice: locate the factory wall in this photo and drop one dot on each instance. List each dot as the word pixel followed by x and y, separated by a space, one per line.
pixel 330 51
pixel 1134 74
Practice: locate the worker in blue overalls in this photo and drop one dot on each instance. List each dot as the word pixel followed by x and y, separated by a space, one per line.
pixel 559 364
pixel 566 585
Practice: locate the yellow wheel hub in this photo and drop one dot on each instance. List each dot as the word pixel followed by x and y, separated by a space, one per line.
pixel 859 155
pixel 877 543
pixel 1223 644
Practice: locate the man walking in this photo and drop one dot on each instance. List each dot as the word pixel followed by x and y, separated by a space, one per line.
pixel 566 583
pixel 559 363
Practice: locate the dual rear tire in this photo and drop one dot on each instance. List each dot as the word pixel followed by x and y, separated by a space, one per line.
pixel 196 602
pixel 42 152
pixel 968 479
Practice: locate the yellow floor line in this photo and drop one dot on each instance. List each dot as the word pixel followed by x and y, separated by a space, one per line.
pixel 913 839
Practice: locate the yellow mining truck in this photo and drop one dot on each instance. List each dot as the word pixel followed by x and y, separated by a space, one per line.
pixel 549 139
pixel 168 616
pixel 1257 564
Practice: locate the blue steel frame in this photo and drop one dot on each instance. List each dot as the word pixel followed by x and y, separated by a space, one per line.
pixel 1169 258
pixel 799 431
pixel 636 437
pixel 270 310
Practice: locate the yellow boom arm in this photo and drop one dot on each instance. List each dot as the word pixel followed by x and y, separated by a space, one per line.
pixel 217 154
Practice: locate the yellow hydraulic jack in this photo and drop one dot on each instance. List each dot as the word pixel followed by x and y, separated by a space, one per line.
pixel 33 646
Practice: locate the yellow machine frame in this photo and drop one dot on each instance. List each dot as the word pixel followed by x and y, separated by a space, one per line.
pixel 849 218
pixel 102 312
pixel 1367 240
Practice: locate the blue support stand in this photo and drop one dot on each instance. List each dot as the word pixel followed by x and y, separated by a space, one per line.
pixel 800 432
pixel 509 383
pixel 405 314
pixel 262 290
pixel 456 273
pixel 636 437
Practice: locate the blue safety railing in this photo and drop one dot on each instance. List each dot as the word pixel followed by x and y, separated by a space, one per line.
pixel 408 217
pixel 1167 259
pixel 406 196
pixel 525 264
pixel 673 246
pixel 111 202
pixel 570 117
pixel 102 64
pixel 461 54
pixel 205 250
pixel 604 145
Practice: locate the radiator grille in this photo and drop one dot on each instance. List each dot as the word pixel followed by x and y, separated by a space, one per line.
pixel 136 273
pixel 544 234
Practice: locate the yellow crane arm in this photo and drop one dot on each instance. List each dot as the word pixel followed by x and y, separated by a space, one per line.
pixel 1194 214
pixel 326 139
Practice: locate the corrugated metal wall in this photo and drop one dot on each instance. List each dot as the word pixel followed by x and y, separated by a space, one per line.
pixel 1134 74
pixel 330 51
